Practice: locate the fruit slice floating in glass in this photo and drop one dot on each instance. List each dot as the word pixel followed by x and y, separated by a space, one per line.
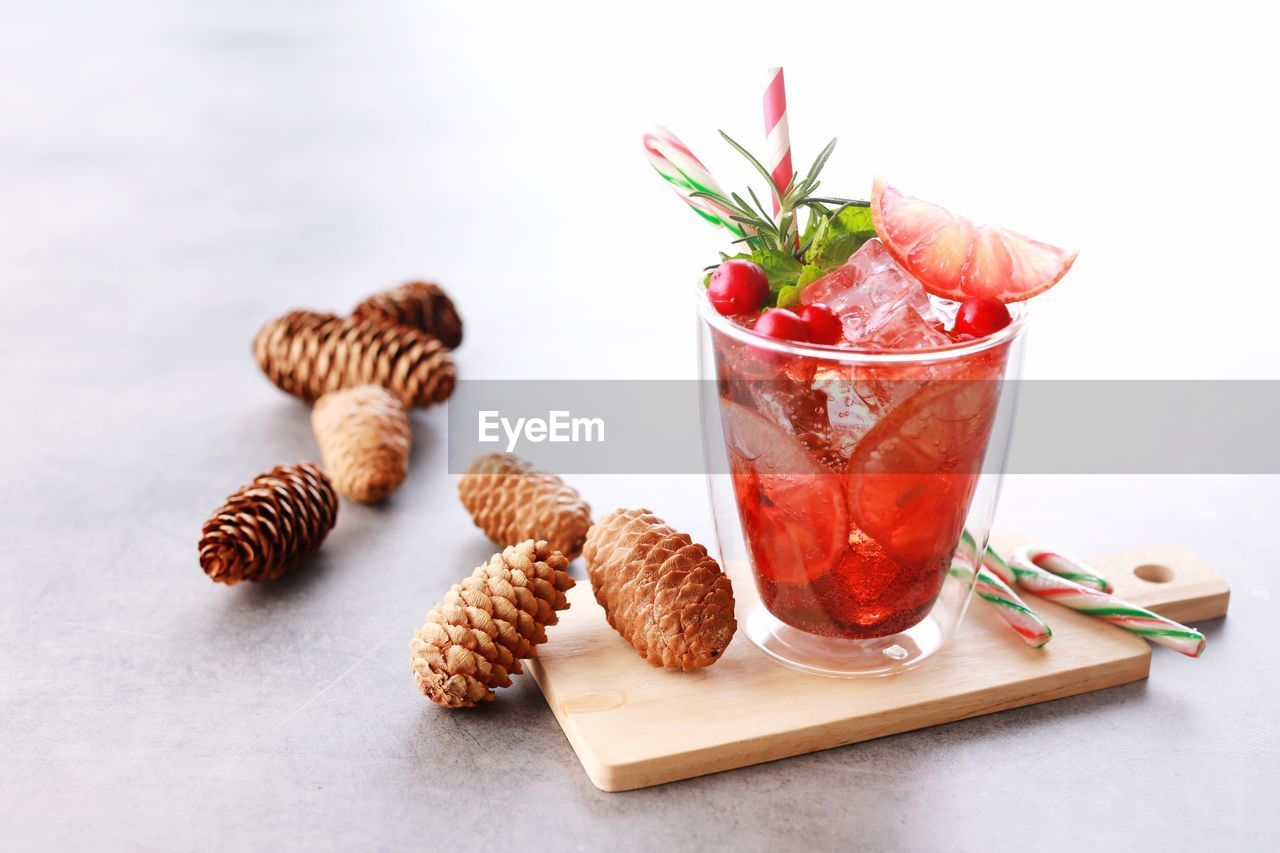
pixel 792 508
pixel 955 259
pixel 912 475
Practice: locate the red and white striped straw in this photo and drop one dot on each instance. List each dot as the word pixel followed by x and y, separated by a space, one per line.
pixel 777 155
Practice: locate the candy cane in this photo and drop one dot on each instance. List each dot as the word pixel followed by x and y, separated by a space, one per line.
pixel 673 160
pixel 1013 610
pixel 1071 568
pixel 1108 608
pixel 777 155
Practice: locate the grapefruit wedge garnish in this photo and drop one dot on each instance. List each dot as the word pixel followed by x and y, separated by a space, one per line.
pixel 955 259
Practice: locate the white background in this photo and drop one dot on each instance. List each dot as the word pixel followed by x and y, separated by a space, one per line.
pixel 1145 135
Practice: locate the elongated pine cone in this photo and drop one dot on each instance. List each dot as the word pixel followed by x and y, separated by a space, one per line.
pixel 264 529
pixel 421 305
pixel 659 590
pixel 364 437
pixel 511 500
pixel 307 354
pixel 475 639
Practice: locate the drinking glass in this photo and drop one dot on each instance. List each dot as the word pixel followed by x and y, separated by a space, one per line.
pixel 852 488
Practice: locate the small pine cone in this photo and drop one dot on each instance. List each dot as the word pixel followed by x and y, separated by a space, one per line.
pixel 363 433
pixel 659 590
pixel 421 305
pixel 307 354
pixel 487 624
pixel 264 529
pixel 511 500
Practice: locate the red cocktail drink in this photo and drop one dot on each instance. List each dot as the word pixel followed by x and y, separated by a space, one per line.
pixel 854 465
pixel 859 350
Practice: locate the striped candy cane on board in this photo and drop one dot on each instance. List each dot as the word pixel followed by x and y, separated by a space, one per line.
pixel 1033 630
pixel 686 175
pixel 1108 608
pixel 1069 567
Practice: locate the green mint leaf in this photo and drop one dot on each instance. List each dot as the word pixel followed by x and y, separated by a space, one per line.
pixel 780 267
pixel 809 274
pixel 840 236
pixel 789 296
pixel 838 250
pixel 854 220
pixel 820 234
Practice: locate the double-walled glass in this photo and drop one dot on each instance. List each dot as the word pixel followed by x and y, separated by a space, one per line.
pixel 852 490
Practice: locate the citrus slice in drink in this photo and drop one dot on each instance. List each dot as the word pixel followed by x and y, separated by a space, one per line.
pixel 792 507
pixel 955 259
pixel 911 477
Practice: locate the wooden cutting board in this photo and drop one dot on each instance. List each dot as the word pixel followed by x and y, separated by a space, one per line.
pixel 633 725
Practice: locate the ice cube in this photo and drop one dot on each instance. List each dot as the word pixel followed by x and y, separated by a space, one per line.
pixel 879 304
pixel 801 411
pixel 892 327
pixel 857 398
pixel 779 388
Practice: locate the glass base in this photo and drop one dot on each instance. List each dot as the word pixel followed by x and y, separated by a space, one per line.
pixel 838 658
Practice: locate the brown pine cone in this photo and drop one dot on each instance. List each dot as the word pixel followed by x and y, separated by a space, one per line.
pixel 659 590
pixel 511 500
pixel 363 433
pixel 420 305
pixel 487 624
pixel 264 529
pixel 307 354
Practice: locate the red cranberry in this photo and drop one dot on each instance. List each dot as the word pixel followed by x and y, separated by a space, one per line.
pixel 782 324
pixel 980 317
pixel 738 287
pixel 824 325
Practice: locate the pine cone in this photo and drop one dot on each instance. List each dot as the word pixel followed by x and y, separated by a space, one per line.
pixel 363 433
pixel 419 305
pixel 487 624
pixel 308 354
pixel 659 590
pixel 264 529
pixel 511 500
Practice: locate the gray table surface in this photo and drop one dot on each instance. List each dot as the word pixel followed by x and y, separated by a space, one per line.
pixel 172 177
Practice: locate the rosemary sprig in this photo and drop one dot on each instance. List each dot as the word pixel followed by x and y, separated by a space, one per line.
pixel 782 233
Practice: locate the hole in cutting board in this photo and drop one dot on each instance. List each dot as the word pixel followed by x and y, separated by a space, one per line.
pixel 1154 573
